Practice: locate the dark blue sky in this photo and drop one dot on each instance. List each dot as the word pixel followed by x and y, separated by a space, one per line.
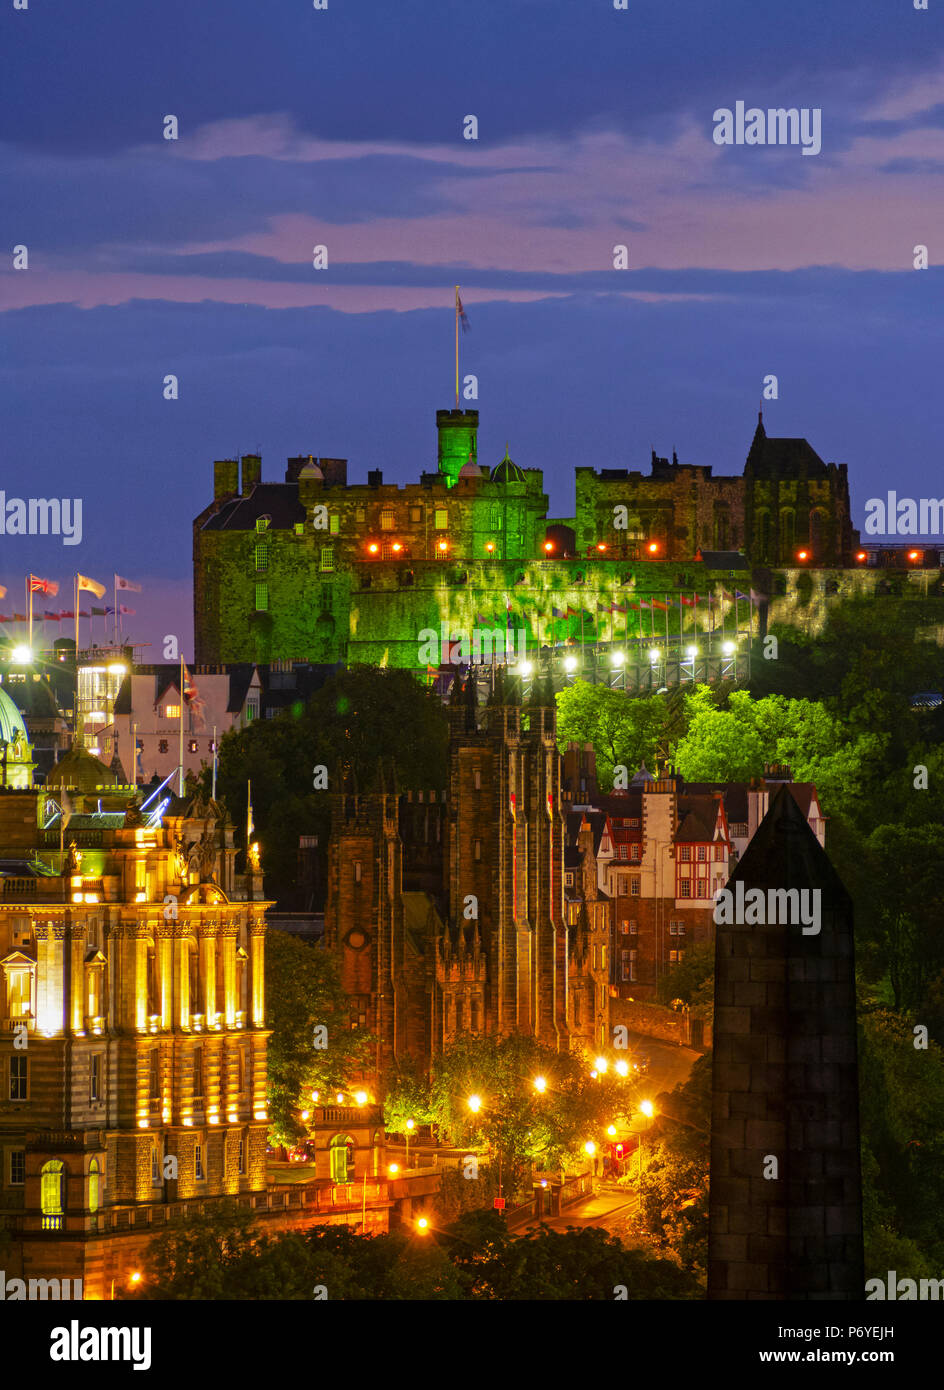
pixel 343 127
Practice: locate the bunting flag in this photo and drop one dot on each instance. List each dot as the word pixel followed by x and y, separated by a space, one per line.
pixel 126 584
pixel 43 586
pixel 92 585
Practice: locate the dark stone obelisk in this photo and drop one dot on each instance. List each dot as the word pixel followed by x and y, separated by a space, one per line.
pixel 785 1084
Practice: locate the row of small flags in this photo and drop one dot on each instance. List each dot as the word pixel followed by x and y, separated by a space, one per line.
pixel 62 613
pixel 50 588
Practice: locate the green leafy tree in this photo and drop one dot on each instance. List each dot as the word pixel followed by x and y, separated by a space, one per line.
pixel 362 716
pixel 303 997
pixel 623 730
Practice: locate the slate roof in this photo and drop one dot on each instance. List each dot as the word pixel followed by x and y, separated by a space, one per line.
pixel 279 501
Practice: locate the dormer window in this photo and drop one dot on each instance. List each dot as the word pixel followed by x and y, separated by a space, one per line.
pixel 262 523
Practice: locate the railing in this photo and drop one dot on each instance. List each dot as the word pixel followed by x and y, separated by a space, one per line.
pixel 53 1223
pixel 572 1189
pixel 12 1025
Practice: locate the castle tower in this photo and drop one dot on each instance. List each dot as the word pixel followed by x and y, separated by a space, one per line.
pixel 458 444
pixel 785 1215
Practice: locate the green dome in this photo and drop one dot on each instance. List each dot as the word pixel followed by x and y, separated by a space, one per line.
pixel 508 471
pixel 79 769
pixel 11 721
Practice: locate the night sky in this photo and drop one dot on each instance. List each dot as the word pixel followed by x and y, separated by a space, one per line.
pixel 344 127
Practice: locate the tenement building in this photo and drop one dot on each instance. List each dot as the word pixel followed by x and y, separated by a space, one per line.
pixel 321 569
pixel 132 1038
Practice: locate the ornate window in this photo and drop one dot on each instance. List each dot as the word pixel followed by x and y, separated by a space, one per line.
pixel 52 1194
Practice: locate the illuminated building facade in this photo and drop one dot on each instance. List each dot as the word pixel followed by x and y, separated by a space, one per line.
pixel 317 569
pixel 132 1039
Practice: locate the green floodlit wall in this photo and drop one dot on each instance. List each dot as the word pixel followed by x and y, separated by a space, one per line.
pixel 457 440
pixel 387 621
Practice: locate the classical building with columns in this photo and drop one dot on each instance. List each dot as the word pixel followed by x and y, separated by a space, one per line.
pixel 132 1037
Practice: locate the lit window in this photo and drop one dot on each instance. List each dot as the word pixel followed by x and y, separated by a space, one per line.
pixel 685 888
pixel 634 887
pixel 262 598
pixel 192 745
pixel 685 853
pixel 172 711
pixel 388 519
pixel 477 850
pixel 676 957
pixel 416 516
pixel 327 558
pixel 262 523
pixel 635 853
pixel 162 745
pixel 52 1193
pixel 633 927
pixel 94 1185
pixel 95 1076
pixel 334 524
pixel 441 518
pixel 198 1170
pixel 477 780
pixel 357 871
pixel 702 853
pixel 19 1079
pixel 262 556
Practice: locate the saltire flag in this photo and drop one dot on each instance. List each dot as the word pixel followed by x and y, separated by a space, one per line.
pixel 126 584
pixel 463 316
pixel 43 586
pixel 92 585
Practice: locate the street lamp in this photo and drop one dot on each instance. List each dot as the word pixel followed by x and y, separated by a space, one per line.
pixel 475 1104
pixel 601 1064
pixel 540 1084
pixel 622 1068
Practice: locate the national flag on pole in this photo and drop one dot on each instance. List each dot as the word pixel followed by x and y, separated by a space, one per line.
pixel 604 608
pixel 557 613
pixel 249 825
pixel 130 612
pixel 756 597
pixel 657 603
pixel 3 592
pixel 192 696
pixel 462 315
pixel 52 617
pixel 92 585
pixel 126 584
pixel 44 586
pixel 738 594
pixel 619 607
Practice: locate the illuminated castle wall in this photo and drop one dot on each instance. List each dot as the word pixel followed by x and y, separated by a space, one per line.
pixel 317 569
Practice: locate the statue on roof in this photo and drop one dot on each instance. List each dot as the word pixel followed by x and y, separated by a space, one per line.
pixel 133 814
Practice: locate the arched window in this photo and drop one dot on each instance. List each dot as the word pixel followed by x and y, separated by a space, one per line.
pixel 52 1194
pixel 818 521
pixel 242 977
pixel 787 532
pixel 342 1158
pixel 193 965
pixel 94 1185
pixel 762 533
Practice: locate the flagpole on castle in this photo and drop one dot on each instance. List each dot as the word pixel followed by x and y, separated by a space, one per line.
pixel 29 599
pixel 75 605
pixel 457 347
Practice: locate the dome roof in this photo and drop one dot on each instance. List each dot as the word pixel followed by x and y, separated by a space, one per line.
pixel 11 721
pixel 311 471
pixel 81 770
pixel 507 471
pixel 470 469
pixel 36 698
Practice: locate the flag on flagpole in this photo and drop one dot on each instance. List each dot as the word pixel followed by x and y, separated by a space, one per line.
pixel 92 585
pixel 44 586
pixel 462 315
pixel 130 612
pixel 52 617
pixel 126 584
pixel 3 592
pixel 192 696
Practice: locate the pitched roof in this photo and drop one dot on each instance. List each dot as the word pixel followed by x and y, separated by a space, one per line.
pixel 279 501
pixel 782 458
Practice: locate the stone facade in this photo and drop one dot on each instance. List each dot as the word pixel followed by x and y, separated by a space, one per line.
pixel 132 1038
pixel 785 1217
pixel 317 569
